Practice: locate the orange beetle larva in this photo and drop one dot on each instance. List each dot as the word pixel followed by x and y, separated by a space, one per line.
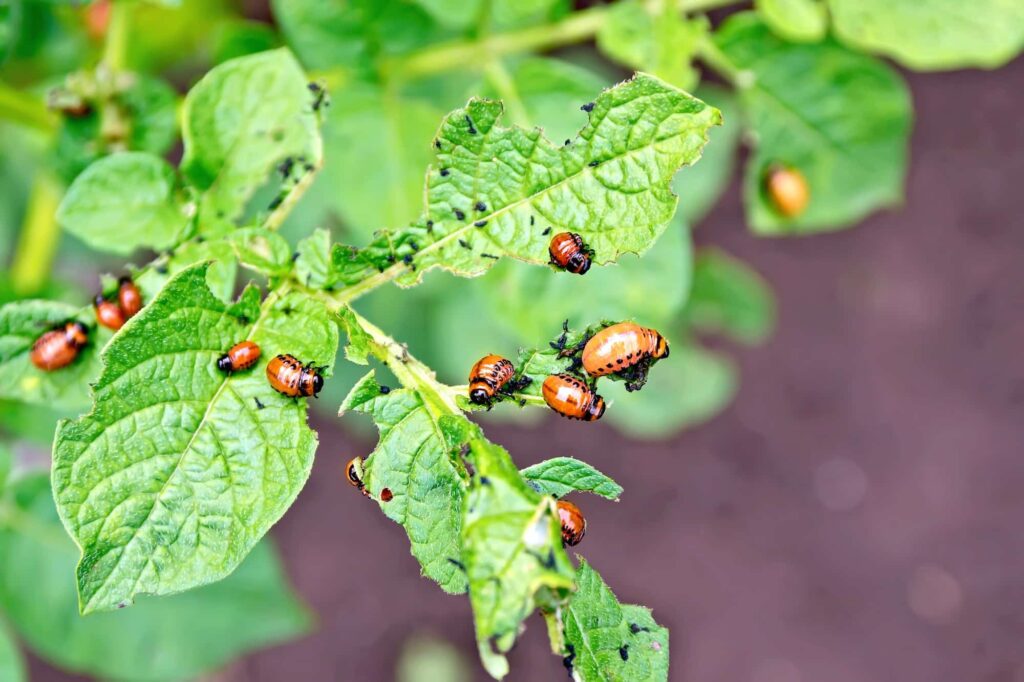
pixel 488 376
pixel 787 190
pixel 108 314
pixel 59 347
pixel 570 397
pixel 128 297
pixel 621 346
pixel 568 252
pixel 290 377
pixel 241 356
pixel 574 524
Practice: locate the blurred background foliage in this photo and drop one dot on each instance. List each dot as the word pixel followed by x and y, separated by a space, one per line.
pixel 801 83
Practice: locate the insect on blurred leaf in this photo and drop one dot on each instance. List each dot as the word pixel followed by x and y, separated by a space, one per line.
pixel 124 202
pixel 178 637
pixel 932 35
pixel 560 476
pixel 21 323
pixel 160 505
pixel 840 118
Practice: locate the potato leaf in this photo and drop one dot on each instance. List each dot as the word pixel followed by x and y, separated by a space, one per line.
pixel 560 476
pixel 178 637
pixel 605 640
pixel 729 297
pixel 497 191
pixel 179 469
pixel 840 118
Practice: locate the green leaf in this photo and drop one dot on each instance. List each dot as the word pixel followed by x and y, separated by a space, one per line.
pixel 6 463
pixel 124 202
pixel 840 118
pixel 387 136
pixel 501 14
pixel 663 45
pixel 931 35
pixel 178 637
pixel 559 476
pixel 413 460
pixel 701 185
pixel 513 188
pixel 12 667
pixel 313 262
pixel 178 471
pixel 688 388
pixel 512 545
pixel 797 20
pixel 730 298
pixel 426 658
pixel 354 34
pixel 611 641
pixel 240 120
pixel 21 323
pixel 261 250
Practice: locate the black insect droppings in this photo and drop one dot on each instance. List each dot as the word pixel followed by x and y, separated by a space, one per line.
pixel 444 172
pixel 459 214
pixel 162 269
pixel 407 259
pixel 480 223
pixel 567 142
pixel 414 246
pixel 391 258
pixel 588 107
pixel 437 144
pixel 285 167
pixel 480 206
pixel 200 239
pixel 531 220
pixel 469 124
pixel 385 389
pixel 593 163
pixel 624 652
pixel 489 255
pixel 259 405
pixel 568 659
pixel 484 480
pixel 464 244
pixel 242 319
pixel 288 310
pixel 636 629
pixel 276 202
pixel 457 564
pixel 295 256
pixel 430 226
pixel 547 230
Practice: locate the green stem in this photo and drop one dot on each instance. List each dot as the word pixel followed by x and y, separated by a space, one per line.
pixel 284 209
pixel 719 62
pixel 26 109
pixel 115 50
pixel 37 242
pixel 468 54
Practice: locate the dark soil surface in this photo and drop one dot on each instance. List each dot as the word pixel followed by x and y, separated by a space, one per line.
pixel 855 516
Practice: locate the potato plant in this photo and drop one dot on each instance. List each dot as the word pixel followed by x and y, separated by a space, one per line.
pixel 168 471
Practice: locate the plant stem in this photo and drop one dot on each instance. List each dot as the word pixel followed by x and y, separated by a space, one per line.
pixel 469 54
pixel 115 49
pixel 37 242
pixel 26 109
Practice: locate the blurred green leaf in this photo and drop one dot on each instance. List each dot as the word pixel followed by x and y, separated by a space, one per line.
pixel 691 386
pixel 413 461
pixel 162 505
pixel 353 34
pixel 171 638
pixel 660 44
pixel 12 667
pixel 21 323
pixel 238 38
pixel 931 35
pixel 608 640
pixel 560 476
pixel 425 658
pixel 701 185
pixel 240 120
pixel 797 20
pixel 6 462
pixel 124 202
pixel 728 297
pixel 498 14
pixel 842 119
pixel 261 250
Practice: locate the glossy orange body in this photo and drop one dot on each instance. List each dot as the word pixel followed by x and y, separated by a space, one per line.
pixel 290 377
pixel 488 375
pixel 787 190
pixel 129 298
pixel 241 356
pixel 621 346
pixel 568 252
pixel 574 525
pixel 108 314
pixel 570 397
pixel 59 347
